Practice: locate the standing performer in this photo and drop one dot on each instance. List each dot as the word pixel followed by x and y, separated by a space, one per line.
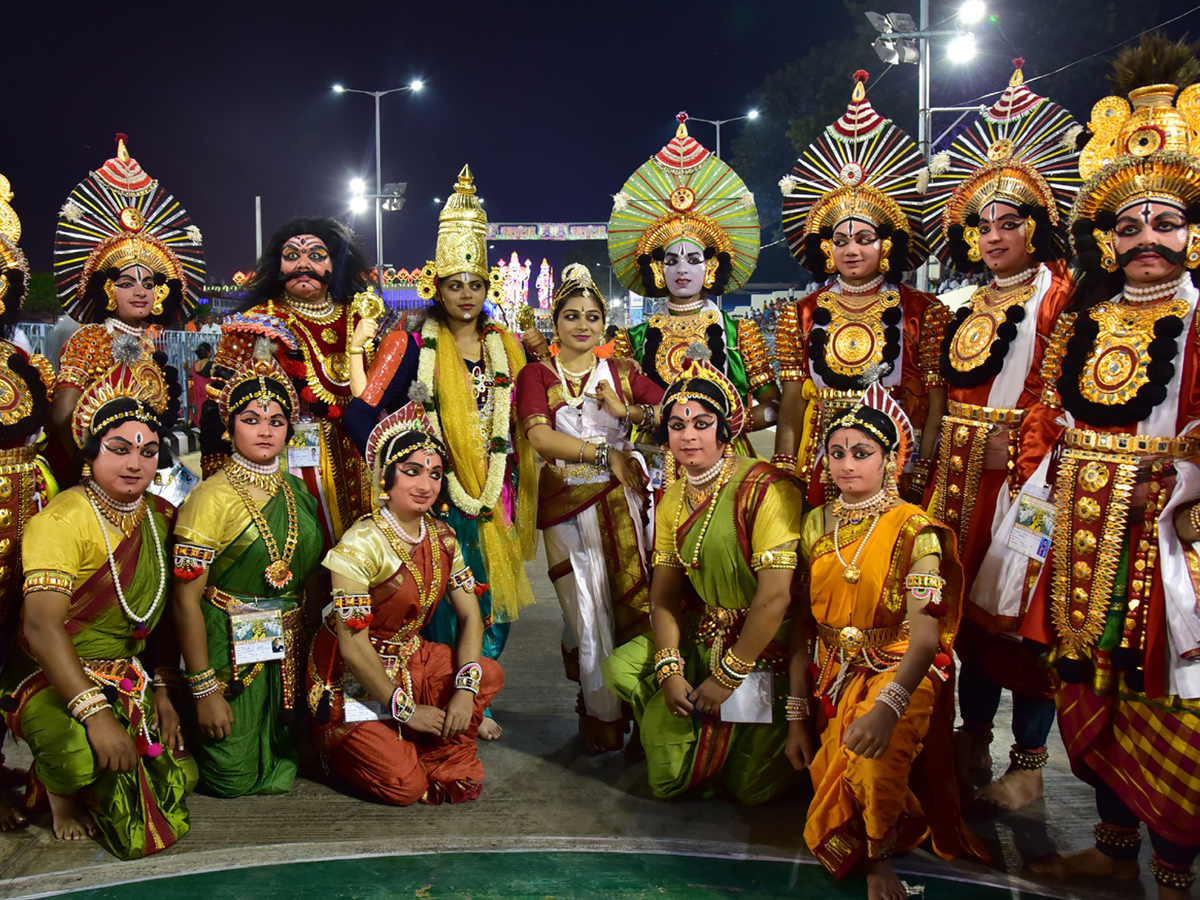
pixel 390 571
pixel 885 590
pixel 306 279
pixel 25 386
pixel 468 365
pixel 684 225
pixel 853 206
pixel 126 255
pixel 708 687
pixel 247 540
pixel 104 737
pixel 578 411
pixel 1120 605
pixel 999 202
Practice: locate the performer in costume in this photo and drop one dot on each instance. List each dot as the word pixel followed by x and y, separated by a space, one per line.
pixel 885 587
pixel 578 411
pixel 1118 598
pixel 306 279
pixel 26 381
pixel 684 225
pixel 390 570
pixel 999 201
pixel 106 743
pixel 469 365
pixel 126 255
pixel 728 531
pixel 853 207
pixel 247 540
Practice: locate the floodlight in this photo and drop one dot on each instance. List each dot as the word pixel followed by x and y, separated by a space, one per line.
pixel 972 11
pixel 961 49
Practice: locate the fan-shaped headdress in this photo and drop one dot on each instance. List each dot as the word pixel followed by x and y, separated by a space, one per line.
pixel 577 278
pixel 864 167
pixel 683 191
pixel 14 268
pixel 118 217
pixel 133 377
pixel 1020 152
pixel 701 380
pixel 461 242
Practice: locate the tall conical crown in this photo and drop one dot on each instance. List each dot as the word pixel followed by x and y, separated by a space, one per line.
pixel 462 231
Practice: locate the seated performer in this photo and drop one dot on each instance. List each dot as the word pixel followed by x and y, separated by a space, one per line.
pixel 247 540
pixel 105 739
pixel 886 613
pixel 390 570
pixel 591 496
pixel 728 530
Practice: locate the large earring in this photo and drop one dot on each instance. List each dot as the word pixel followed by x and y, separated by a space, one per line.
pixel 110 291
pixel 1192 260
pixel 885 252
pixel 971 236
pixel 824 476
pixel 827 250
pixel 86 471
pixel 1030 226
pixel 660 280
pixel 160 294
pixel 1107 242
pixel 728 451
pixel 710 272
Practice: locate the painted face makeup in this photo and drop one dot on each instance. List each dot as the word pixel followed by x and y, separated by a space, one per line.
pixel 305 267
pixel 856 250
pixel 127 461
pixel 134 292
pixel 259 433
pixel 416 486
pixel 692 436
pixel 580 323
pixel 856 463
pixel 463 295
pixel 1151 240
pixel 683 269
pixel 1002 239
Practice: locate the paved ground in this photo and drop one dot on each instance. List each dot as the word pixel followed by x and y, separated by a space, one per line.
pixel 542 793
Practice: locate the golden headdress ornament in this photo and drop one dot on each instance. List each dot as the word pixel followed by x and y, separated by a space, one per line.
pixel 134 376
pixel 577 278
pixel 263 379
pixel 409 419
pixel 877 401
pixel 461 241
pixel 1146 148
pixel 14 268
pixel 699 379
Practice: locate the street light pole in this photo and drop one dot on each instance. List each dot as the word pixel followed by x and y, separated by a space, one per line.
pixel 753 114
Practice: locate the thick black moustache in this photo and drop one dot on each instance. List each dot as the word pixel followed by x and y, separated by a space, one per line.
pixel 323 277
pixel 1174 257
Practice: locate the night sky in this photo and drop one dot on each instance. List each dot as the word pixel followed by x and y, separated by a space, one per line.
pixel 552 104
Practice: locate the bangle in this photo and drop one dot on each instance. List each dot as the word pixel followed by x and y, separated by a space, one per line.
pixel 667 662
pixel 625 418
pixel 402 705
pixel 726 680
pixel 895 697
pixel 582 447
pixel 647 415
pixel 93 709
pixel 736 665
pixel 785 461
pixel 203 683
pixel 601 454
pixel 927 587
pixel 796 709
pixel 469 678
pixel 357 352
pixel 1194 517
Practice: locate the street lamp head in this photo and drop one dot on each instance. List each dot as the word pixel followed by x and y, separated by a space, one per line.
pixel 416 85
pixel 753 114
pixel 357 185
pixel 358 205
pixel 961 49
pixel 972 11
pixel 338 89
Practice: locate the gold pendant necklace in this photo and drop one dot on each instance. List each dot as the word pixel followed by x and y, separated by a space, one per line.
pixel 279 572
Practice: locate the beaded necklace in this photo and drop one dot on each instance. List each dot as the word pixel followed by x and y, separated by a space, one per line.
pixel 279 572
pixel 382 517
pixel 399 529
pixel 722 480
pixel 575 378
pixel 691 306
pixel 1154 291
pixel 1003 282
pixel 112 323
pixel 141 629
pixel 868 288
pixel 126 516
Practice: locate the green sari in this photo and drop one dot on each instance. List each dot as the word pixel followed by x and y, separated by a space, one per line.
pixel 138 812
pixel 259 755
pixel 757 510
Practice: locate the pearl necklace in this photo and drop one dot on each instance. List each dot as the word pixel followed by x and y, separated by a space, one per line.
pixel 140 630
pixel 404 535
pixel 572 400
pixel 264 476
pixel 850 571
pixel 853 513
pixel 317 310
pixel 707 475
pixel 114 324
pixel 1003 282
pixel 726 473
pixel 126 516
pixel 869 288
pixel 691 306
pixel 1154 291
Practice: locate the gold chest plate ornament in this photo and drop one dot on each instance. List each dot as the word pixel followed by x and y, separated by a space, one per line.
pixel 972 344
pixel 855 333
pixel 1116 365
pixel 678 333
pixel 16 401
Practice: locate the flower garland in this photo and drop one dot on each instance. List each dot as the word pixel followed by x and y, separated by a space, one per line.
pixel 493 348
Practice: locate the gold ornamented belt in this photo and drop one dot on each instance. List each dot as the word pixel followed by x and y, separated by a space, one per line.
pixel 1130 444
pixel 985 413
pixel 854 640
pixel 580 473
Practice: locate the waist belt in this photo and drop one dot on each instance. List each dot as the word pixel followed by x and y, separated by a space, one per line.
pixel 985 413
pixel 1130 444
pixel 854 640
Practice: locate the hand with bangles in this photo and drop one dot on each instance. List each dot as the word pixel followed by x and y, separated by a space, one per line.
pixel 869 735
pixel 166 720
pixel 707 698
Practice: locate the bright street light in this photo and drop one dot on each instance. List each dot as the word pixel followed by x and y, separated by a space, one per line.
pixel 358 186
pixel 358 205
pixel 961 49
pixel 417 84
pixel 972 11
pixel 753 114
pixel 338 89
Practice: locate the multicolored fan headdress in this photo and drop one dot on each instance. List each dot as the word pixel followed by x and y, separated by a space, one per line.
pixel 396 430
pixel 683 192
pixel 577 278
pixel 879 415
pixel 14 268
pixel 461 242
pixel 118 217
pixel 861 167
pixel 1020 152
pixel 1143 149
pixel 132 388
pixel 700 380
pixel 262 379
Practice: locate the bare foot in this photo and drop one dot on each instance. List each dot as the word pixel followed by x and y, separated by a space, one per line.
pixel 1086 862
pixel 10 817
pixel 489 729
pixel 971 749
pixel 1016 789
pixel 72 822
pixel 883 883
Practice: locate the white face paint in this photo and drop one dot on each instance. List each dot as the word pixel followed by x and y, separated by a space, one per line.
pixel 683 269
